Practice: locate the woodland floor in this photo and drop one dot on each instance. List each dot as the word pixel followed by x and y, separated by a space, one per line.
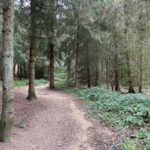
pixel 56 121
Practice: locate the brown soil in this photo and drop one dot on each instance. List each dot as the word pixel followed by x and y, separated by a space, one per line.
pixel 56 121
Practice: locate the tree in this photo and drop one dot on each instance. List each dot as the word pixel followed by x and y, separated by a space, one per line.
pixel 31 90
pixel 51 43
pixel 7 115
pixel 127 23
pixel 141 32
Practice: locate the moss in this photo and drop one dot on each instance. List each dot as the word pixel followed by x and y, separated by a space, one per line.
pixel 5 131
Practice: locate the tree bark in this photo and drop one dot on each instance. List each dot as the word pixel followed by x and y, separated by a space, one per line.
pixel 107 73
pixel 141 70
pixel 141 32
pixel 31 90
pixel 88 67
pixel 7 115
pixel 115 80
pixel 76 47
pixel 141 63
pixel 126 13
pixel 131 89
pixel 116 70
pixel 69 67
pixel 0 64
pixel 51 36
pixel 76 57
pixel 25 75
pixel 96 76
pixel 52 56
pixel 117 85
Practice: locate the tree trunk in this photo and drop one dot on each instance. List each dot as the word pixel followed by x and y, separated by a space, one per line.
pixel 115 79
pixel 18 70
pixel 76 58
pixel 107 73
pixel 142 29
pixel 126 13
pixel 96 76
pixel 51 36
pixel 14 69
pixel 0 65
pixel 7 115
pixel 25 71
pixel 96 83
pixel 141 70
pixel 51 85
pixel 31 90
pixel 88 67
pixel 116 71
pixel 117 86
pixel 43 66
pixel 76 47
pixel 20 76
pixel 131 89
pixel 69 67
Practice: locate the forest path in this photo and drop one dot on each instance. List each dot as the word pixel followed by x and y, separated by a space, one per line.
pixel 56 121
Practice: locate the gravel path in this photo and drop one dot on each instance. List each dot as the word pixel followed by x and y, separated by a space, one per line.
pixel 56 121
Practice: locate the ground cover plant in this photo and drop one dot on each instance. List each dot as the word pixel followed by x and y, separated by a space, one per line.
pixel 124 112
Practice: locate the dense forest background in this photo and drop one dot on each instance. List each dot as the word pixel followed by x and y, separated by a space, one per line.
pixel 95 42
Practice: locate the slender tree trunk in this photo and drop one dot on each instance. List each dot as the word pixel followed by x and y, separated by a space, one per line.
pixel 43 66
pixel 76 58
pixel 96 83
pixel 107 73
pixel 115 80
pixel 51 43
pixel 52 57
pixel 116 70
pixel 141 71
pixel 97 76
pixel 18 70
pixel 0 64
pixel 31 90
pixel 142 24
pixel 7 115
pixel 126 13
pixel 131 89
pixel 117 86
pixel 14 69
pixel 24 71
pixel 21 70
pixel 69 68
pixel 88 67
pixel 76 48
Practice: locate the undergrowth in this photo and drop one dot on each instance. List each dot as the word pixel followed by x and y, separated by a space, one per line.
pixel 22 83
pixel 128 111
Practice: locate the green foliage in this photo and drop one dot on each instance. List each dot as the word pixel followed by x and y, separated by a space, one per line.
pixel 122 111
pixel 128 145
pixel 127 110
pixel 60 73
pixel 21 83
pixel 141 143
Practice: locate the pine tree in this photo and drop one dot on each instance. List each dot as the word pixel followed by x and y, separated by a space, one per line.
pixel 7 115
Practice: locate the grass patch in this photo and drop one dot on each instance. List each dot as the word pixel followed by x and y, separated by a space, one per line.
pixel 130 111
pixel 22 83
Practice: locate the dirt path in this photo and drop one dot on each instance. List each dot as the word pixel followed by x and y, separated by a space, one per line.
pixel 56 121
